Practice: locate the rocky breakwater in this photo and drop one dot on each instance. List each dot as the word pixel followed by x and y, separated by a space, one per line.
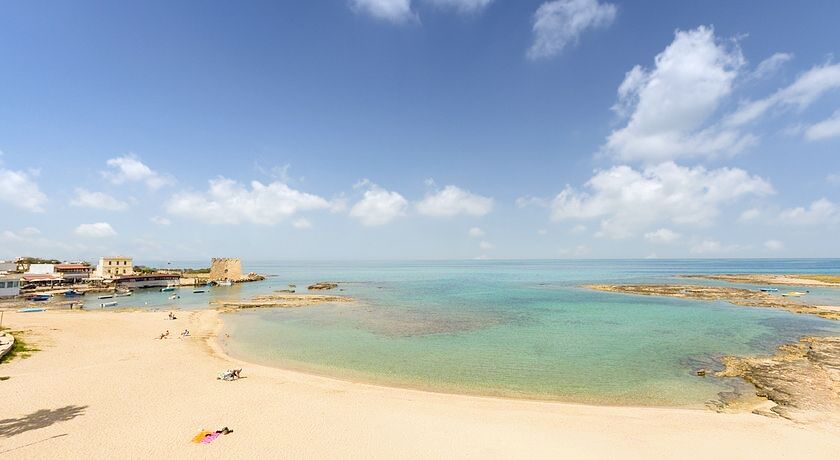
pixel 802 379
pixel 279 301
pixel 322 286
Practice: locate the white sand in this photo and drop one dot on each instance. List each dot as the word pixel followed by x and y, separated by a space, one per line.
pixel 122 394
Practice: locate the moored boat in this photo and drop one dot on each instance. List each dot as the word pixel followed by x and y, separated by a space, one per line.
pixel 31 310
pixel 108 304
pixel 73 293
pixel 199 291
pixel 794 294
pixel 40 297
pixel 769 290
pixel 106 296
pixel 224 283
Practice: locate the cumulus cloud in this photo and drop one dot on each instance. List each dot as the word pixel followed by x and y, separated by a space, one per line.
pixel 162 221
pixel 396 11
pixel 626 200
pixel 663 235
pixel 229 202
pixel 774 245
pixel 19 189
pixel 749 214
pixel 485 245
pixel 452 201
pixel 807 88
pixel 712 247
pixel 670 105
pixel 822 211
pixel 476 232
pixel 97 200
pixel 825 129
pixel 96 230
pixel 129 168
pixel 560 23
pixel 302 223
pixel 378 206
pixel 463 6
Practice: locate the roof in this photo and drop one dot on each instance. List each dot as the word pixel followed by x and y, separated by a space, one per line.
pixel 151 275
pixel 39 277
pixel 116 257
pixel 73 267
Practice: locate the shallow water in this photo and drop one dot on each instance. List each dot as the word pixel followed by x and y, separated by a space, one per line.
pixel 519 328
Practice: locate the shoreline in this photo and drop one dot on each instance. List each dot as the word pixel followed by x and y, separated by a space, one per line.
pixel 168 387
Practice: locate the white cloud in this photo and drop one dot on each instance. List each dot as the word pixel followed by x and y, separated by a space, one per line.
pixel 452 201
pixel 663 235
pixel 560 23
pixel 162 221
pixel 822 211
pixel 626 200
pixel 97 230
pixel 526 201
pixel 578 229
pixel 18 188
pixel 476 232
pixel 302 223
pixel 462 6
pixel 833 179
pixel 396 11
pixel 30 239
pixel 825 129
pixel 749 214
pixel 485 245
pixel 97 200
pixel 707 247
pixel 807 88
pixel 774 245
pixel 229 202
pixel 378 206
pixel 670 105
pixel 542 232
pixel 129 168
pixel 770 65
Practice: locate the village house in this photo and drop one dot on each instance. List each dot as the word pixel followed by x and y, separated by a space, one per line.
pixel 113 267
pixel 9 286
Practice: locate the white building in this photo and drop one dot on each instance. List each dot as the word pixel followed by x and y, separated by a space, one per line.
pixel 9 287
pixel 41 269
pixel 113 267
pixel 6 267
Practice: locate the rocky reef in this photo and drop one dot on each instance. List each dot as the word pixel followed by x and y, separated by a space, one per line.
pixel 279 301
pixel 322 286
pixel 737 296
pixel 777 279
pixel 802 379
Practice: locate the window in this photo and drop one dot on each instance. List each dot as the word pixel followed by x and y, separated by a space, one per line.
pixel 3 284
pixel 109 262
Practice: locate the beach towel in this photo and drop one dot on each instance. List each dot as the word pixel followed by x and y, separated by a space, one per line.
pixel 210 438
pixel 200 436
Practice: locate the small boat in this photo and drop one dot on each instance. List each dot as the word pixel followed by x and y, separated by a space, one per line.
pixel 224 283
pixel 73 293
pixel 769 290
pixel 106 296
pixel 174 296
pixel 108 304
pixel 199 291
pixel 40 297
pixel 31 310
pixel 167 289
pixel 123 294
pixel 793 294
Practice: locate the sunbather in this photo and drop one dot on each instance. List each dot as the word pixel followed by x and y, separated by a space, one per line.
pixel 186 333
pixel 165 334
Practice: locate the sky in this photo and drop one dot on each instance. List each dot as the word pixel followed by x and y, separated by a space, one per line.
pixel 419 129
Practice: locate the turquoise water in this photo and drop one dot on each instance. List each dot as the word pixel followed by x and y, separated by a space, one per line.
pixel 518 328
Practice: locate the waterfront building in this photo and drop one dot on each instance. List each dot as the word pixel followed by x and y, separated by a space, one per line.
pixel 114 266
pixel 9 286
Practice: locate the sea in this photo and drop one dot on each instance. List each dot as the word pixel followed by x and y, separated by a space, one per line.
pixel 511 328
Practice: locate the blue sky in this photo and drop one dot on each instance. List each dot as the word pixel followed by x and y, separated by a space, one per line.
pixel 391 129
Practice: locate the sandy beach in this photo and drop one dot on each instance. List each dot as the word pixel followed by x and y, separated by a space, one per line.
pixel 103 386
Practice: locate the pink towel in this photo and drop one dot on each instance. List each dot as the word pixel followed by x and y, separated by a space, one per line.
pixel 210 438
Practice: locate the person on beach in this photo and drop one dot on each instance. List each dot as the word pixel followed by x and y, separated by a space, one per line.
pixel 186 333
pixel 171 316
pixel 165 334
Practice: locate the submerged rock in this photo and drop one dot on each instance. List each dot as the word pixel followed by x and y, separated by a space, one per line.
pixel 322 286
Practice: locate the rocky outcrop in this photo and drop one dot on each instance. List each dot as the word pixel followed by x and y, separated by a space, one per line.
pixel 777 279
pixel 280 301
pixel 802 379
pixel 737 296
pixel 322 286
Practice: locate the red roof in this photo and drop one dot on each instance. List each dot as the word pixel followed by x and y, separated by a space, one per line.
pixel 73 267
pixel 38 277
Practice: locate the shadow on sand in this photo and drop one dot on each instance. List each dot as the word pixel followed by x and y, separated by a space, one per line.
pixel 39 419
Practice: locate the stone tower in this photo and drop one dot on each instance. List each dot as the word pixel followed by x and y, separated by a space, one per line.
pixel 224 268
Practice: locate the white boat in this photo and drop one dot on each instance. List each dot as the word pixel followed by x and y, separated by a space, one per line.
pixel 225 283
pixel 108 296
pixel 769 290
pixel 108 304
pixel 174 296
pixel 31 310
pixel 123 294
pixel 793 294
pixel 168 288
pixel 199 291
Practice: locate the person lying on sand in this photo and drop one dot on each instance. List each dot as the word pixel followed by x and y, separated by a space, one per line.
pixel 186 333
pixel 230 374
pixel 165 334
pixel 171 316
